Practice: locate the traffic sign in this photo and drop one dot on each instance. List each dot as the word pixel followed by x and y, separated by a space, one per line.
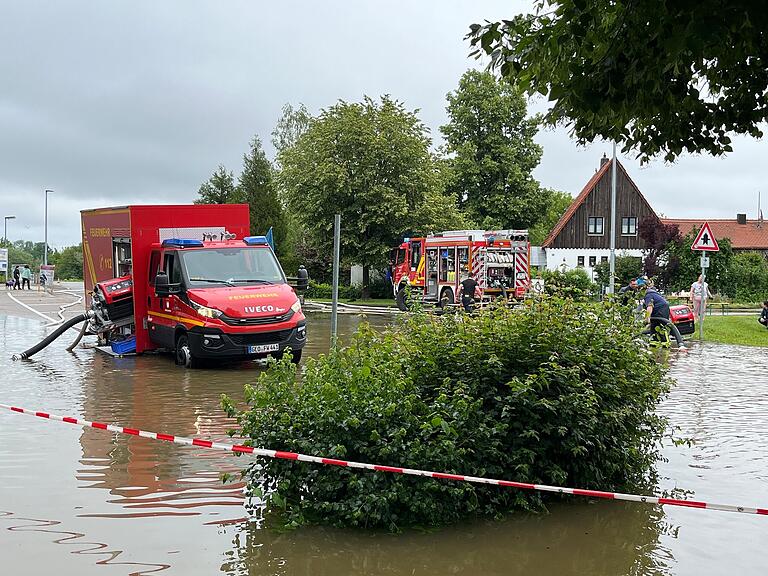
pixel 705 240
pixel 705 261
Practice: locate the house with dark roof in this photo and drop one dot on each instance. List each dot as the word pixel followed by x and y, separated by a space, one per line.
pixel 745 235
pixel 582 237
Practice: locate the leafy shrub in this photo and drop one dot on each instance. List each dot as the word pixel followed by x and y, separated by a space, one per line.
pixel 749 277
pixel 319 290
pixel 571 284
pixel 553 392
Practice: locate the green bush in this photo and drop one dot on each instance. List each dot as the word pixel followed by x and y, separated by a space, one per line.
pixel 553 392
pixel 749 277
pixel 320 290
pixel 571 284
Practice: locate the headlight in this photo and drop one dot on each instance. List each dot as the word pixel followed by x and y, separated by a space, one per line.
pixel 296 306
pixel 205 311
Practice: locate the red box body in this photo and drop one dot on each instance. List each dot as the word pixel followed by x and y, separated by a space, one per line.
pixel 103 229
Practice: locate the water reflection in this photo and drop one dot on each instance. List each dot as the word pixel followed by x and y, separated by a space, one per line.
pixel 601 538
pixel 105 486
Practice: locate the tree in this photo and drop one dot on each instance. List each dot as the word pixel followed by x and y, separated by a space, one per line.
pixel 256 188
pixel 658 76
pixel 369 162
pixel 661 261
pixel 219 189
pixel 69 262
pixel 492 154
pixel 718 273
pixel 556 204
pixel 748 277
pixel 626 268
pixel 291 125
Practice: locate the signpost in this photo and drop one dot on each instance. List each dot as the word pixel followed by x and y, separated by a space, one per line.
pixel 705 242
pixel 4 262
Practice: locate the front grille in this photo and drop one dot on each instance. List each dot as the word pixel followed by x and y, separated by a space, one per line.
pixel 260 337
pixel 256 321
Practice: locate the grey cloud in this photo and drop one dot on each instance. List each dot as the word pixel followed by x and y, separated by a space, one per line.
pixel 124 102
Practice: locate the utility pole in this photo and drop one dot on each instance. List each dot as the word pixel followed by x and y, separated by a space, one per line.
pixel 335 293
pixel 45 253
pixel 612 281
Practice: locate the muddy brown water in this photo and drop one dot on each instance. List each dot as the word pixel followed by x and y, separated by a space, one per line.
pixel 84 501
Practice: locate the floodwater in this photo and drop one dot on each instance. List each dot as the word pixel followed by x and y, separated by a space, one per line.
pixel 84 501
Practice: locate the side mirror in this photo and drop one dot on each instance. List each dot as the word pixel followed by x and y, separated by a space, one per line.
pixel 162 288
pixel 302 279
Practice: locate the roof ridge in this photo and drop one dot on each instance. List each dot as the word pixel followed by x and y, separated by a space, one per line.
pixel 585 192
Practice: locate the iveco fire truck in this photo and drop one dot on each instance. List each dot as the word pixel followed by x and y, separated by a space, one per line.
pixel 189 279
pixel 432 267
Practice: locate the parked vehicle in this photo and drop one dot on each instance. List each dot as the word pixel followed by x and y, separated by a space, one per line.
pixel 431 268
pixel 189 279
pixel 682 317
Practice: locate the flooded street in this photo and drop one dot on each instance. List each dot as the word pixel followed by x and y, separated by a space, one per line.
pixel 75 501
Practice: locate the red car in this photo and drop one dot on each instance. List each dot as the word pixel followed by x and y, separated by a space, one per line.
pixel 682 317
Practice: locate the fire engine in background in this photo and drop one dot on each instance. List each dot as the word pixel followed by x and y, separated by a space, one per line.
pixel 433 267
pixel 188 279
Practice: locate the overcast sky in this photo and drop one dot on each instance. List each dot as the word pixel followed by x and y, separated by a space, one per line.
pixel 120 102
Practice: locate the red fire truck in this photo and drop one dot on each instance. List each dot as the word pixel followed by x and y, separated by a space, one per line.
pixel 189 279
pixel 432 267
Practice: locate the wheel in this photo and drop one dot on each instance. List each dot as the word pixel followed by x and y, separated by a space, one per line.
pixel 183 353
pixel 402 298
pixel 446 298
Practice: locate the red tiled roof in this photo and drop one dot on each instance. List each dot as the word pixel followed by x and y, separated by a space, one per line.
pixel 750 236
pixel 579 200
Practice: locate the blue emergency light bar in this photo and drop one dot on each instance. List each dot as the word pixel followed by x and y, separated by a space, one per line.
pixel 183 243
pixel 255 240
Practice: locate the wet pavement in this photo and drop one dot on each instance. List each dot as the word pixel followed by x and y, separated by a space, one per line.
pixel 75 501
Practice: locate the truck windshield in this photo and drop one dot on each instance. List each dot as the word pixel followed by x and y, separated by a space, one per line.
pixel 231 267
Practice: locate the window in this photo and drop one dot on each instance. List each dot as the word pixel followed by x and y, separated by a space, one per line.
pixel 448 264
pixel 241 266
pixel 154 264
pixel 415 255
pixel 603 259
pixel 629 226
pixel 580 261
pixel 595 225
pixel 592 261
pixel 172 268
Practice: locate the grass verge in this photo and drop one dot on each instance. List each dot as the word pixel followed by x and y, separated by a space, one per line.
pixel 742 330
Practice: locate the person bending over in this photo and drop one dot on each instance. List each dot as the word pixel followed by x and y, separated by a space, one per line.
pixel 764 315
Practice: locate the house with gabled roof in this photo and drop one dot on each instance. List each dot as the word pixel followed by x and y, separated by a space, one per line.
pixel 745 235
pixel 582 236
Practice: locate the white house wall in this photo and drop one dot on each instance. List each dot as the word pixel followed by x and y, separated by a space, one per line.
pixel 565 259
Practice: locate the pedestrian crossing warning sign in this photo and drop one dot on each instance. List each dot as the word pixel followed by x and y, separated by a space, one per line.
pixel 705 240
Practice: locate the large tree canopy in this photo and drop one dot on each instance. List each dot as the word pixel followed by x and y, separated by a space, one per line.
pixel 659 76
pixel 489 141
pixel 371 163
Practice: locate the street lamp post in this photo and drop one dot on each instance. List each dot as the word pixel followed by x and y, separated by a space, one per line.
pixel 5 239
pixel 45 253
pixel 5 227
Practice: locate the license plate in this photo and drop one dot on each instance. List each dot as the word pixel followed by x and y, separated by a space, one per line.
pixel 261 348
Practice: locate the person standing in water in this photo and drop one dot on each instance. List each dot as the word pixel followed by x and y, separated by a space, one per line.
pixel 699 295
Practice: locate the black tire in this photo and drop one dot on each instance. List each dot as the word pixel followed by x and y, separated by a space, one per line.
pixel 402 299
pixel 183 355
pixel 446 298
pixel 296 356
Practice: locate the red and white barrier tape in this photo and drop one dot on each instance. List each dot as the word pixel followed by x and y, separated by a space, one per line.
pixel 349 464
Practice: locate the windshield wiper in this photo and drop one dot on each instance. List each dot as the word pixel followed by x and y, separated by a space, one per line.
pixel 214 280
pixel 258 280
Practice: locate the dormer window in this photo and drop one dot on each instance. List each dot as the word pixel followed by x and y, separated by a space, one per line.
pixel 595 226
